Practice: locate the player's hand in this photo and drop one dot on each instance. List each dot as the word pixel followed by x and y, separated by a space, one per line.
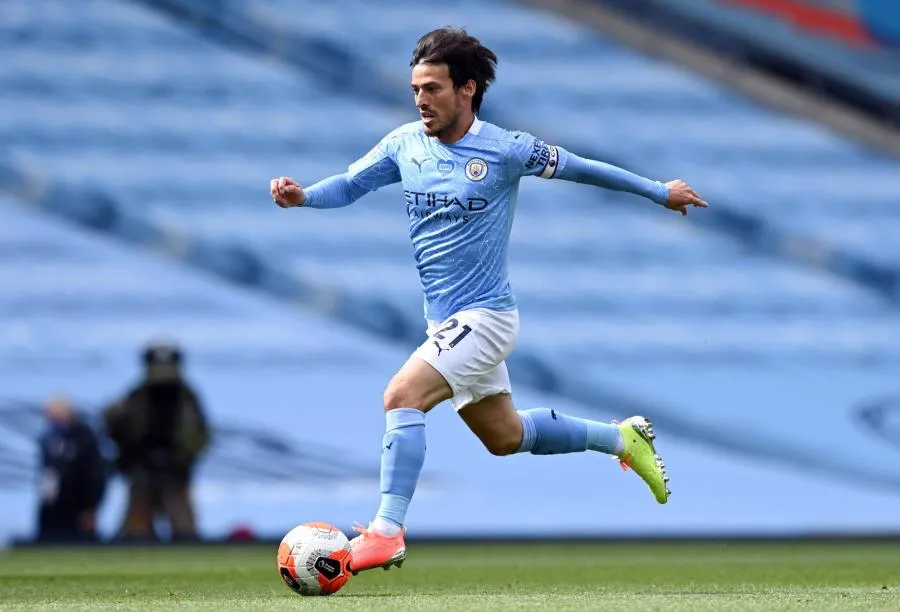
pixel 681 195
pixel 286 192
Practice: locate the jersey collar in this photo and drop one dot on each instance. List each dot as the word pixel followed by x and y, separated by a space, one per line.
pixel 474 129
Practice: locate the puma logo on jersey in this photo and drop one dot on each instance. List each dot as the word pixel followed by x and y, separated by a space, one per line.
pixel 418 163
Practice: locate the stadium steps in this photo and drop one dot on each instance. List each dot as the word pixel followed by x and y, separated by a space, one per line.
pixel 864 76
pixel 771 178
pixel 185 171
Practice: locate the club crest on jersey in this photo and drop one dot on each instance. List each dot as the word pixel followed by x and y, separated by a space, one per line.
pixel 445 166
pixel 476 169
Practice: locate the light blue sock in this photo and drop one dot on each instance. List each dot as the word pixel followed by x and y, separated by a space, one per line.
pixel 402 456
pixel 547 432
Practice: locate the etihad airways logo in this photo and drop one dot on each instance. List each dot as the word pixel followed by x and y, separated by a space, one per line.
pixel 442 206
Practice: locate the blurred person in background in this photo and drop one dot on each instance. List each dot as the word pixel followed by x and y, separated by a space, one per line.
pixel 73 476
pixel 161 431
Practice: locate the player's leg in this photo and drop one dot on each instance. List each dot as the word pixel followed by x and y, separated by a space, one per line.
pixel 457 352
pixel 541 431
pixel 503 430
pixel 414 390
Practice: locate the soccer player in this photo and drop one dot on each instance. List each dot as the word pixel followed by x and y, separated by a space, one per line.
pixel 460 178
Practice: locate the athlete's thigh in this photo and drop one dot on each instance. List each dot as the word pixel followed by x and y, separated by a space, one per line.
pixel 416 385
pixel 495 421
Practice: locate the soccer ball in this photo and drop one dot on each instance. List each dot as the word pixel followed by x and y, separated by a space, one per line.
pixel 313 557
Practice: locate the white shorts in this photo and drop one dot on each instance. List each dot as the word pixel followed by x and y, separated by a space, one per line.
pixel 469 349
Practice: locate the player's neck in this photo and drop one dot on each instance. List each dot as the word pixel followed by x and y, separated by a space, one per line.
pixel 461 128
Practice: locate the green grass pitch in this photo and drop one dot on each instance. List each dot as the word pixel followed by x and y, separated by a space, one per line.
pixel 532 576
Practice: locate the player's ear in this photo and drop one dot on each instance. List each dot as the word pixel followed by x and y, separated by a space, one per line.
pixel 470 87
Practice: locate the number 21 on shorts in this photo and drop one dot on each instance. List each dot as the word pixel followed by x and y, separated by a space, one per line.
pixel 448 326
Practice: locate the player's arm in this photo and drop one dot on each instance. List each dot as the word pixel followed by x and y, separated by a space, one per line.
pixel 377 169
pixel 333 192
pixel 675 195
pixel 547 161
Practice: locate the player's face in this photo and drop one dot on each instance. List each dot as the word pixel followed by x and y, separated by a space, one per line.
pixel 440 104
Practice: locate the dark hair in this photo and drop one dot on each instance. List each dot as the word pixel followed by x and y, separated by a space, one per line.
pixel 465 56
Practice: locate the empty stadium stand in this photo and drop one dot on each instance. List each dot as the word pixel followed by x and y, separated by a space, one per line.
pixel 850 57
pixel 76 305
pixel 161 123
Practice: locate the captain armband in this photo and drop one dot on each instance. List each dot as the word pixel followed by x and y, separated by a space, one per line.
pixel 552 164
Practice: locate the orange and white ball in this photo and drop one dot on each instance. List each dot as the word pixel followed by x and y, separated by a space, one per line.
pixel 313 558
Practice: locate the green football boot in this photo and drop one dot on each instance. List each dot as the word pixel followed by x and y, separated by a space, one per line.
pixel 639 454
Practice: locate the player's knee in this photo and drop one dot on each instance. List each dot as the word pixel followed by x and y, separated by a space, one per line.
pixel 401 394
pixel 501 446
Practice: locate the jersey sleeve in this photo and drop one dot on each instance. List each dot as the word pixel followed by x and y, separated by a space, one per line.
pixel 531 156
pixel 377 168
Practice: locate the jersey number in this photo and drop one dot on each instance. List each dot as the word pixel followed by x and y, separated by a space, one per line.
pixel 451 324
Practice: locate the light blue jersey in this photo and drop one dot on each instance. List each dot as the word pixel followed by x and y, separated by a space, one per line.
pixel 461 201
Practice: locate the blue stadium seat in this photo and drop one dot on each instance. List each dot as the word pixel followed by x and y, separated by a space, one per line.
pixel 188 134
pixel 624 305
